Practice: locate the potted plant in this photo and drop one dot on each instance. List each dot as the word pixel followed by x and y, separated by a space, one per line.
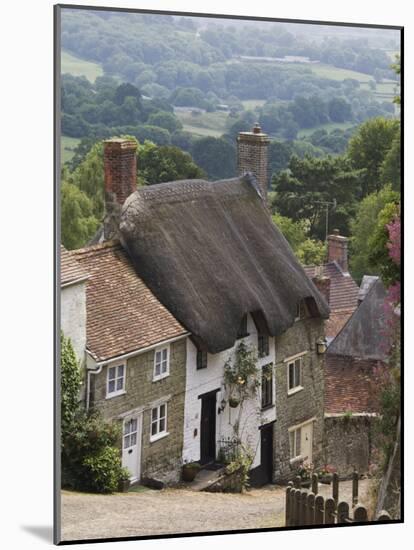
pixel 304 471
pixel 234 402
pixel 190 470
pixel 325 474
pixel 124 481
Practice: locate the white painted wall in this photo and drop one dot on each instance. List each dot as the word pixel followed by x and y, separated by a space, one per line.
pixel 202 381
pixel 73 316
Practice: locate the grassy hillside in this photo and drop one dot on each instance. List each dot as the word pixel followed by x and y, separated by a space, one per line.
pixel 204 124
pixel 80 67
pixel 67 144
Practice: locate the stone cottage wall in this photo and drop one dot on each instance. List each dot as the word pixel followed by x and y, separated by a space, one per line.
pixel 160 460
pixel 349 441
pixel 305 404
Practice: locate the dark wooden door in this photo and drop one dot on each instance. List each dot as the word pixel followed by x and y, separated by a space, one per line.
pixel 262 474
pixel 266 452
pixel 208 429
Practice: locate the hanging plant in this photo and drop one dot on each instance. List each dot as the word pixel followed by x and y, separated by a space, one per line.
pixel 241 375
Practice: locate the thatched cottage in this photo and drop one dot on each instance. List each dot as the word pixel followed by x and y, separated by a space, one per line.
pixel 187 271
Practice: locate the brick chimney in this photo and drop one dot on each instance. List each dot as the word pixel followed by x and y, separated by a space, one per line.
pixel 120 164
pixel 323 284
pixel 338 250
pixel 252 151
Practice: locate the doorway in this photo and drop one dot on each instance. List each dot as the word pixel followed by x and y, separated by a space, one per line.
pixel 208 428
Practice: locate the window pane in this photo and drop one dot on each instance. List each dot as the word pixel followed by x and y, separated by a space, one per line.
pixel 157 369
pixel 134 425
pixel 126 441
pixel 297 372
pixel 154 414
pixel 127 428
pixel 291 376
pixel 164 354
pixel 133 439
pixel 164 367
pixel 162 425
pixel 120 371
pixel 157 356
pixel 111 386
pixel 112 373
pixel 162 411
pixel 298 435
pixel 292 444
pixel 153 428
pixel 119 383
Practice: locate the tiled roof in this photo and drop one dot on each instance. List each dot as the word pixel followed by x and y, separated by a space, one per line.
pixel 349 385
pixel 122 313
pixel 70 269
pixel 343 298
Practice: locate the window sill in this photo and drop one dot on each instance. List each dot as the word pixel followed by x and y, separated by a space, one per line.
pixel 295 390
pixel 268 407
pixel 161 377
pixel 296 459
pixel 157 437
pixel 115 394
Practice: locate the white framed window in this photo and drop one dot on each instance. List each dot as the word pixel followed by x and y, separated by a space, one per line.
pixel 161 362
pixel 130 433
pixel 158 422
pixel 294 375
pixel 295 437
pixel 115 381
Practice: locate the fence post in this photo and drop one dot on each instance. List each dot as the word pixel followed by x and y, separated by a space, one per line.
pixel 292 518
pixel 297 482
pixel 343 512
pixel 310 513
pixel 303 508
pixel 360 513
pixel 287 506
pixel 354 488
pixel 329 511
pixel 383 516
pixel 315 484
pixel 297 506
pixel 335 487
pixel 319 510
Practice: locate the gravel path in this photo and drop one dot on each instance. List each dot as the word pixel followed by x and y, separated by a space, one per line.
pixel 86 516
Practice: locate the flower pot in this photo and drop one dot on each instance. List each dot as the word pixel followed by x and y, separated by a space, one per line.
pixel 190 471
pixel 233 403
pixel 123 485
pixel 326 479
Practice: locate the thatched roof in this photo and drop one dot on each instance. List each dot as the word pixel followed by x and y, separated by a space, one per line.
pixel 210 253
pixel 364 336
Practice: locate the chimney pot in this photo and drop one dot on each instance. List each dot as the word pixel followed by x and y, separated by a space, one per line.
pixel 257 129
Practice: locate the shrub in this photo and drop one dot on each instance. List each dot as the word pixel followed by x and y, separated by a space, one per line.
pixel 101 473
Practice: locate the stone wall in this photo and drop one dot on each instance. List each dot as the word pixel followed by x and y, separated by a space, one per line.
pixel 349 441
pixel 161 459
pixel 305 404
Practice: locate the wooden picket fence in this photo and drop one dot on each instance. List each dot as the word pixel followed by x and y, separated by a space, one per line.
pixel 309 508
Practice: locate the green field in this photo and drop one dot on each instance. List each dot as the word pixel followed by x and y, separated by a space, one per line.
pixel 80 67
pixel 251 104
pixel 329 127
pixel 67 144
pixel 204 124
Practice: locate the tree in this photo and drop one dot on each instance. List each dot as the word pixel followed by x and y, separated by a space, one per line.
pixel 310 181
pixel 166 163
pixel 165 120
pixel 379 253
pixel 339 110
pixel 390 170
pixel 363 227
pixel 215 156
pixel 279 155
pixel 78 223
pixel 308 251
pixel 368 148
pixel 127 90
pixel 70 382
